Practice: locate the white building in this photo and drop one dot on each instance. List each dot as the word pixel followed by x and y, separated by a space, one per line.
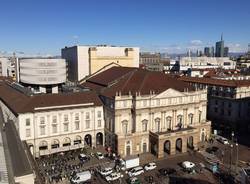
pixel 42 74
pixel 85 60
pixel 4 63
pixel 206 62
pixel 52 123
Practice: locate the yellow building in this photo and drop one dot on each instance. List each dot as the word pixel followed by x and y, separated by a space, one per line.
pixel 86 60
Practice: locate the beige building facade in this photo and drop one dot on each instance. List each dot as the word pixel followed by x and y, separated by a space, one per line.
pixel 86 60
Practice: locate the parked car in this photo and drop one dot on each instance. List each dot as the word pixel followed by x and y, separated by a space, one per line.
pixel 212 149
pixel 134 180
pixel 81 177
pixel 167 171
pixel 83 158
pixel 99 155
pixel 136 171
pixel 223 140
pixel 150 166
pixel 106 171
pixel 188 165
pixel 114 176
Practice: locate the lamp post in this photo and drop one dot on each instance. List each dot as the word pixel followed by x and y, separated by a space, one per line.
pixel 231 155
pixel 237 157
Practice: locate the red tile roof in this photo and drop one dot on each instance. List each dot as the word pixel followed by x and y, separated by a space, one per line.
pixel 217 82
pixel 132 80
pixel 20 103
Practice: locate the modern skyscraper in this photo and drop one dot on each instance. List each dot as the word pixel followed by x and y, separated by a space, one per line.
pixel 219 49
pixel 207 51
pixel 226 50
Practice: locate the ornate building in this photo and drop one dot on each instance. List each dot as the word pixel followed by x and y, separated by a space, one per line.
pixel 150 112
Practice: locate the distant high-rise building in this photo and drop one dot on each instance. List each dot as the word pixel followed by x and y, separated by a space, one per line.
pixel 207 51
pixel 226 50
pixel 219 49
pixel 212 51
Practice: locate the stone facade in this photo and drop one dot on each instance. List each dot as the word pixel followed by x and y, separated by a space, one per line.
pixel 143 123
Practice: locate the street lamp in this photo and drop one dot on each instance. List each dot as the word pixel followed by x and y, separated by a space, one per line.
pixel 231 155
pixel 237 157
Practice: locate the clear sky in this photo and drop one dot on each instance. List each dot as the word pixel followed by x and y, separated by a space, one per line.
pixel 173 26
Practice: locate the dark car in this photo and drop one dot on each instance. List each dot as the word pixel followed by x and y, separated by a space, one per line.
pixel 167 171
pixel 212 149
pixel 83 158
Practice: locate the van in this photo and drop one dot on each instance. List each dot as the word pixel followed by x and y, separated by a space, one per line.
pixel 81 177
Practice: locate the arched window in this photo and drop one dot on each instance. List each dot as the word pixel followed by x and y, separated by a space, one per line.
pixel 200 116
pixel 125 127
pixel 169 122
pixel 179 121
pixel 157 124
pixel 144 125
pixel 191 118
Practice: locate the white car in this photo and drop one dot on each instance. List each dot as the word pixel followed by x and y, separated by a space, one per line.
pixel 136 171
pixel 188 165
pixel 150 166
pixel 81 177
pixel 114 176
pixel 223 140
pixel 106 171
pixel 99 155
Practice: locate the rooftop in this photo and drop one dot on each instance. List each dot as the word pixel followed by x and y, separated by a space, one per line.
pixel 216 82
pixel 19 102
pixel 132 80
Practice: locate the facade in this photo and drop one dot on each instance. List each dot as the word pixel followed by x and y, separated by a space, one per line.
pixel 209 51
pixel 4 63
pixel 86 60
pixel 206 62
pixel 45 75
pixel 52 123
pixel 154 62
pixel 219 49
pixel 228 104
pixel 163 117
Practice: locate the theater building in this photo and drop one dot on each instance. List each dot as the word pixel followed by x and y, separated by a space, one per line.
pixel 150 112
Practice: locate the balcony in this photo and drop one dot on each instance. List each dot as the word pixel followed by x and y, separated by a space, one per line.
pixel 170 133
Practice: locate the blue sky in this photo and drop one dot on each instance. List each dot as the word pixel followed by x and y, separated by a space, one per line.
pixel 46 26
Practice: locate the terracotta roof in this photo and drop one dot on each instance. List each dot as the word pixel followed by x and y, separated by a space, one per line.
pixel 106 77
pixel 217 82
pixel 132 80
pixel 21 103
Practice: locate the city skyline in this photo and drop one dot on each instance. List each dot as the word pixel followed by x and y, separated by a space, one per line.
pixel 172 27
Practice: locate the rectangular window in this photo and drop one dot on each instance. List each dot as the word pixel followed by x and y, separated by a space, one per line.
pixel 28 134
pixel 144 103
pixel 66 127
pixel 42 130
pixel 28 122
pixel 158 102
pixel 77 117
pixel 42 120
pixel 87 115
pixel 66 118
pixel 99 123
pixel 54 119
pixel 99 114
pixel 87 123
pixel 54 128
pixel 77 125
